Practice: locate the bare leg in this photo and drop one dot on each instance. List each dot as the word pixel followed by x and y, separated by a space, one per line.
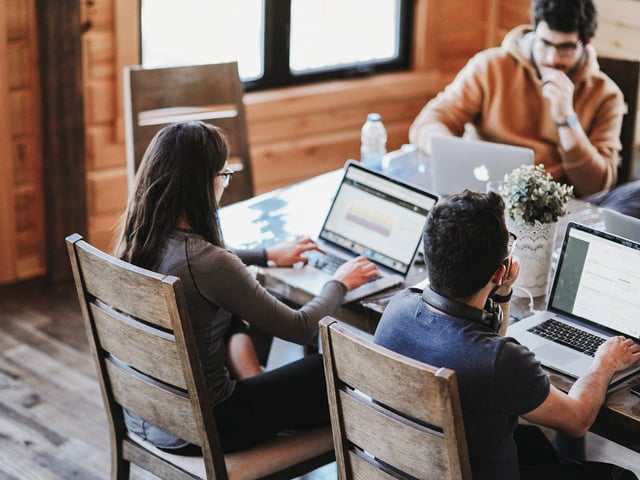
pixel 242 359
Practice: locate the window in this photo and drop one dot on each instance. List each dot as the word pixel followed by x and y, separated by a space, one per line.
pixel 279 42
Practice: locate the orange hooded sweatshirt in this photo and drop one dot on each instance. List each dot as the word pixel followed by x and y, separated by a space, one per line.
pixel 499 91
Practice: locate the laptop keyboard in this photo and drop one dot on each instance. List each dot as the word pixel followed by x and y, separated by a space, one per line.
pixel 327 262
pixel 568 336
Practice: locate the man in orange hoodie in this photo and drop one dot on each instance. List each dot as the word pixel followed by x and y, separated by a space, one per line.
pixel 542 89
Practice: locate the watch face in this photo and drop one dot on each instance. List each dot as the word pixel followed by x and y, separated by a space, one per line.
pixel 571 121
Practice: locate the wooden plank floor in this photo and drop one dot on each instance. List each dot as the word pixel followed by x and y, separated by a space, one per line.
pixel 52 422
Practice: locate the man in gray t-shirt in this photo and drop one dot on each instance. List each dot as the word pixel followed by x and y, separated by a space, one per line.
pixel 456 322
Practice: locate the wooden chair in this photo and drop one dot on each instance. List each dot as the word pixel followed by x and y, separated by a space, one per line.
pixel 626 74
pixel 391 416
pixel 146 356
pixel 155 97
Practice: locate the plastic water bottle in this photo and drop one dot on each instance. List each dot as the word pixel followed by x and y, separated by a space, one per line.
pixel 374 142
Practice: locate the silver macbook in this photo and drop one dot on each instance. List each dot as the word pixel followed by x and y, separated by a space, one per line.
pixel 594 296
pixel 371 214
pixel 621 224
pixel 458 163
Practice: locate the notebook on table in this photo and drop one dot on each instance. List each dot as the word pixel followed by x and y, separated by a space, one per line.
pixel 594 296
pixel 621 224
pixel 371 214
pixel 458 163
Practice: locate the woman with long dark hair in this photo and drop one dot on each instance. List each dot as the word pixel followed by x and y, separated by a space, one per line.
pixel 171 226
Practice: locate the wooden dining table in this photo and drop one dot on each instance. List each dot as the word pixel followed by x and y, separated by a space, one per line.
pixel 300 209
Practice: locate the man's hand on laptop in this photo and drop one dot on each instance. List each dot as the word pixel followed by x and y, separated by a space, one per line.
pixel 616 354
pixel 289 253
pixel 356 272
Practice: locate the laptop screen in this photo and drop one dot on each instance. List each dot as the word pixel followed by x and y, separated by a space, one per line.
pixel 598 280
pixel 379 217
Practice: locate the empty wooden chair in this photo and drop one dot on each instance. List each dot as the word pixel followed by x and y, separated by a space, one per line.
pixel 391 416
pixel 147 361
pixel 156 97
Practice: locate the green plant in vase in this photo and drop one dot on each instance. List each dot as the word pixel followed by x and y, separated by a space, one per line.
pixel 534 202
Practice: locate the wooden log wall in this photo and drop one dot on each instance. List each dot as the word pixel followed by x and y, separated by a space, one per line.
pixel 22 246
pixel 294 132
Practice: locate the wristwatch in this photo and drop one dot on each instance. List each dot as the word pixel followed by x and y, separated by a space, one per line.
pixel 502 298
pixel 571 121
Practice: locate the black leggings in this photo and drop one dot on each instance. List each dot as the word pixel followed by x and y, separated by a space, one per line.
pixel 539 460
pixel 290 397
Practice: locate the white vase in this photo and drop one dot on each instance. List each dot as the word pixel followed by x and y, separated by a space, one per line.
pixel 535 251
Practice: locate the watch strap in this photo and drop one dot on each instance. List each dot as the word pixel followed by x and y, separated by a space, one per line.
pixel 570 122
pixel 502 298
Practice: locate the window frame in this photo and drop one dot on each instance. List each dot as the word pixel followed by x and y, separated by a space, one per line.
pixel 276 39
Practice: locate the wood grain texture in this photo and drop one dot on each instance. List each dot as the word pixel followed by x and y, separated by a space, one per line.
pixel 390 411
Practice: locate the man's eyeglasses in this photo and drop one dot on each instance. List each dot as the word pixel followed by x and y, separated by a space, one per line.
pixel 511 246
pixel 565 50
pixel 226 177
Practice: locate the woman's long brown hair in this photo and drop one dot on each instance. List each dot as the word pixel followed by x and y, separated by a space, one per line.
pixel 175 181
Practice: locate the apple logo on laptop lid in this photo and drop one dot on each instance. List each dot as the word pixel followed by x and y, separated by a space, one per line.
pixel 481 173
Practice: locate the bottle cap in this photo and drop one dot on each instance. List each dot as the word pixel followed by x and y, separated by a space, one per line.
pixel 373 117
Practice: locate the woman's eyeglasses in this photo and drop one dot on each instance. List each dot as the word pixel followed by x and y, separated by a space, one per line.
pixel 226 177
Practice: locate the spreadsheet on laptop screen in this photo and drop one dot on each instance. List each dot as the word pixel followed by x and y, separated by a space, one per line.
pixel 378 218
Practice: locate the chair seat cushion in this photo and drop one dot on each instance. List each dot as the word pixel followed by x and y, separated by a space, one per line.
pixel 284 450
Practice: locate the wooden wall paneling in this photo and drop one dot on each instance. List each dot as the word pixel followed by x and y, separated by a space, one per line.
pixel 7 201
pixel 59 33
pixel 493 13
pixel 24 213
pixel 303 131
pixel 425 52
pixel 513 13
pixel 107 191
pixel 127 52
pixel 618 32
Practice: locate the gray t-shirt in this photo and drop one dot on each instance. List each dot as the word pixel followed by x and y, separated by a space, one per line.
pixel 498 379
pixel 218 285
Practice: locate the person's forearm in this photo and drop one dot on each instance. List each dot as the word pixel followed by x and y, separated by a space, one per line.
pixel 590 391
pixel 587 169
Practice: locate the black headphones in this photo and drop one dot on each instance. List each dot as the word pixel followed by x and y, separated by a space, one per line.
pixel 490 316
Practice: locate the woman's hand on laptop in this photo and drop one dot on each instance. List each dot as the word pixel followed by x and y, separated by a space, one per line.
pixel 288 253
pixel 356 272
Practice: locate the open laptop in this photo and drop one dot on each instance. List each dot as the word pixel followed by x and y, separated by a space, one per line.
pixel 621 224
pixel 595 290
pixel 458 163
pixel 371 214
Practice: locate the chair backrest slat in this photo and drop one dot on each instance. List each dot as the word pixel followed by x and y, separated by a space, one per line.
pixel 156 402
pixel 118 283
pixel 149 350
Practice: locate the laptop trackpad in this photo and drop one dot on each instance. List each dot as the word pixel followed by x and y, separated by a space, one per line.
pixel 554 355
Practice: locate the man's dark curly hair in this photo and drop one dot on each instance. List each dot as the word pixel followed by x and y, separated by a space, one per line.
pixel 567 16
pixel 465 241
